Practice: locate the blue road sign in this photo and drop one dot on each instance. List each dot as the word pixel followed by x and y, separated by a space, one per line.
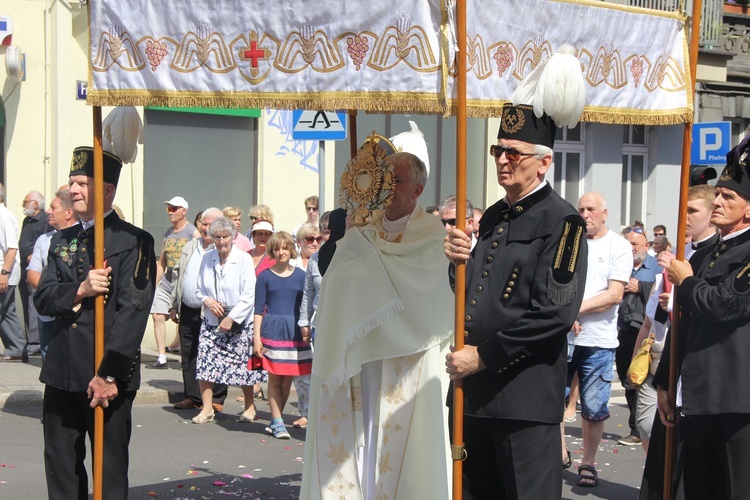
pixel 711 143
pixel 319 125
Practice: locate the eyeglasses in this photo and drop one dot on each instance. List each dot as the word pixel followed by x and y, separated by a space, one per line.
pixel 450 222
pixel 658 234
pixel 172 209
pixel 221 237
pixel 633 230
pixel 253 218
pixel 511 154
pixel 314 239
pixel 314 209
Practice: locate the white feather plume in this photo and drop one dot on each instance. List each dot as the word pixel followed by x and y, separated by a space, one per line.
pixel 555 87
pixel 122 131
pixel 413 142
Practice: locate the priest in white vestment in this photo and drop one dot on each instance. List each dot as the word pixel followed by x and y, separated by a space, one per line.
pixel 378 424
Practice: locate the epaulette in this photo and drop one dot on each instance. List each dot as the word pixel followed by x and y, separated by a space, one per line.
pixel 562 280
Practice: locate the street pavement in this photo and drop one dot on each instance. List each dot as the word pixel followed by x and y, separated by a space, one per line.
pixel 171 458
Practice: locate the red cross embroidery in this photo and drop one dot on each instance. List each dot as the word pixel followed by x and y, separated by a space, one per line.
pixel 254 54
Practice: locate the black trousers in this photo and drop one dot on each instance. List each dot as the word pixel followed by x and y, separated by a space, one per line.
pixel 190 329
pixel 511 459
pixel 67 420
pixel 716 454
pixel 623 356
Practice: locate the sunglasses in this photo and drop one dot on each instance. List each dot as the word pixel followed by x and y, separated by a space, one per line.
pixel 314 239
pixel 450 222
pixel 253 218
pixel 511 154
pixel 633 230
pixel 172 209
pixel 314 209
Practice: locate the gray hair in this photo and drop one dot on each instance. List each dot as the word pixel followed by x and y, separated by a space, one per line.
pixel 417 169
pixel 541 150
pixel 38 198
pixel 450 202
pixel 222 225
pixel 64 197
pixel 212 213
pixel 2 193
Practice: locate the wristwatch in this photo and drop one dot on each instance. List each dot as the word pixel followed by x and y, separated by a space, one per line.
pixel 4 272
pixel 110 379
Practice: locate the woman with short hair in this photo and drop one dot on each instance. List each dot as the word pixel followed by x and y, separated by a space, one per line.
pixel 226 288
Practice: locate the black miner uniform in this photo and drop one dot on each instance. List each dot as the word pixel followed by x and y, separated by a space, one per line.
pixel 69 366
pixel 525 285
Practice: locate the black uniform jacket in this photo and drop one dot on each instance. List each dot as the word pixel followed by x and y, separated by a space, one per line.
pixel 525 284
pixel 714 334
pixel 129 251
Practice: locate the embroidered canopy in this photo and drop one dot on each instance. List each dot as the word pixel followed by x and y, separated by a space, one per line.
pixel 382 56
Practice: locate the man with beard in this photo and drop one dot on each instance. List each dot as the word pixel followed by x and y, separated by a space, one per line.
pixel 33 226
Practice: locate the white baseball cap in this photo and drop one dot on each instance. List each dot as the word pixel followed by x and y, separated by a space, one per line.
pixel 177 201
pixel 263 226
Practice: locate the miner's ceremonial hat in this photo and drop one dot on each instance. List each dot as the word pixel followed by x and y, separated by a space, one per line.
pixel 83 164
pixel 736 175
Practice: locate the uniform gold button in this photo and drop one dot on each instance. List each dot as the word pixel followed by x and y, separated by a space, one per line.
pixel 468 317
pixel 508 290
pixel 80 271
pixel 514 276
pixel 485 274
pixel 515 269
pixel 490 258
pixel 500 230
pixel 473 303
pixel 506 216
pixel 494 244
pixel 466 333
pixel 83 249
pixel 80 261
pixel 711 264
pixel 74 326
pixel 480 288
pixel 106 297
pixel 511 283
pixel 506 296
pixel 716 254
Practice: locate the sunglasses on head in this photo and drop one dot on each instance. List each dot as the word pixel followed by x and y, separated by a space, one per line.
pixel 512 154
pixel 634 230
pixel 450 222
pixel 313 239
pixel 171 209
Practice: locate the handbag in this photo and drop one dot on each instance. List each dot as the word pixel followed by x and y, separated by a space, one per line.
pixel 639 367
pixel 236 327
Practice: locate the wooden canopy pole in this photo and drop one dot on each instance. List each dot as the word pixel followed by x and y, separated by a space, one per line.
pixel 670 444
pixel 98 455
pixel 458 452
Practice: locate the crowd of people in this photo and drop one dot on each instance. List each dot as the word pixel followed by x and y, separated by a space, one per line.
pixel 557 304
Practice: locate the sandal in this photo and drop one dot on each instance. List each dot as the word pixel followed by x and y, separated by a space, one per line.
pixel 249 415
pixel 300 423
pixel 240 399
pixel 278 431
pixel 259 394
pixel 567 462
pixel 590 480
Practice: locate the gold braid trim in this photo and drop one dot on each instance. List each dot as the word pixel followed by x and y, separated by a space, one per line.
pixel 561 246
pixel 576 248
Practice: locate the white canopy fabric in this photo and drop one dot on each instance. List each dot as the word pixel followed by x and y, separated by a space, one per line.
pixel 378 56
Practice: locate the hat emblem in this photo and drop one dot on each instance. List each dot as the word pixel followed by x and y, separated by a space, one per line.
pixel 512 121
pixel 728 173
pixel 80 158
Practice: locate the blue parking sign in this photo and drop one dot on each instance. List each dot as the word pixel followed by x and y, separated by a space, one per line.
pixel 711 143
